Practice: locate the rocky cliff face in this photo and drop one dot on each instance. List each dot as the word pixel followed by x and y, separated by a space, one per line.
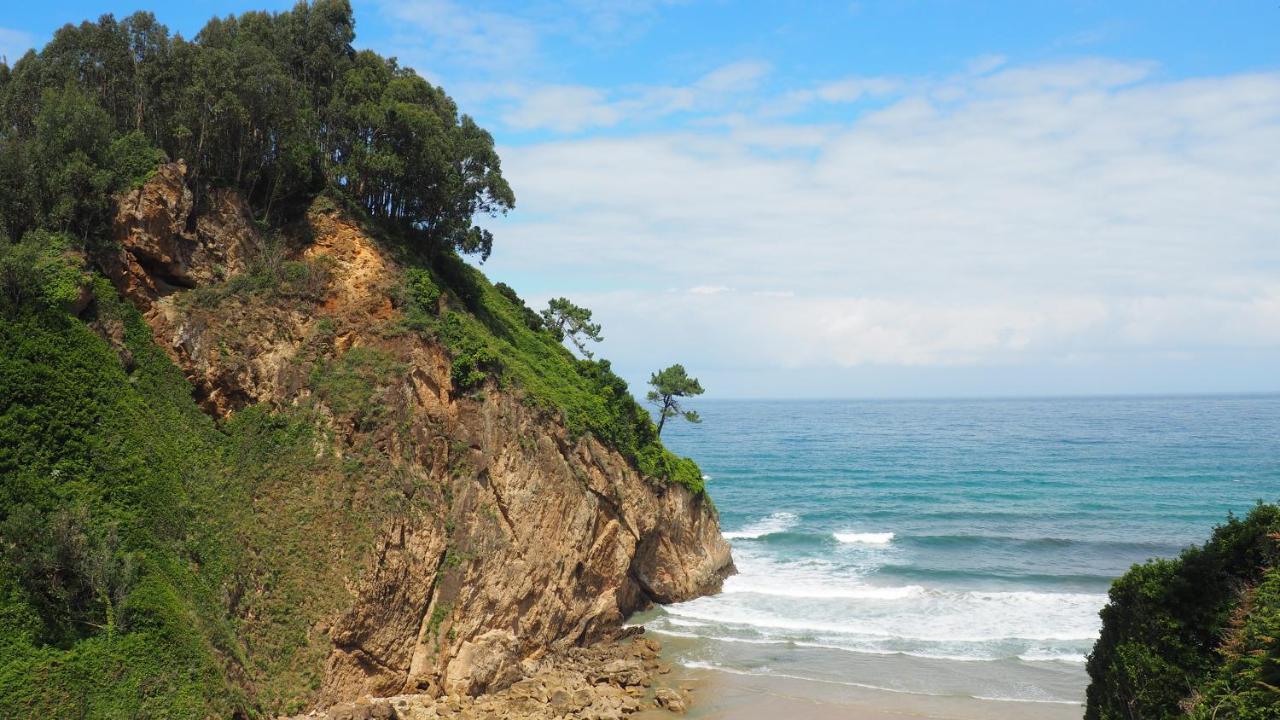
pixel 509 538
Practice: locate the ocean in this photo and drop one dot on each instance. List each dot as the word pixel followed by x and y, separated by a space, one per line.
pixel 953 548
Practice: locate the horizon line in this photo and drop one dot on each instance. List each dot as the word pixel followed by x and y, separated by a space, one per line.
pixel 1242 394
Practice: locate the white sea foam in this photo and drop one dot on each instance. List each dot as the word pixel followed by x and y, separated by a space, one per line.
pixel 792 589
pixel 1049 656
pixel 775 523
pixel 865 538
pixel 685 623
pixel 936 617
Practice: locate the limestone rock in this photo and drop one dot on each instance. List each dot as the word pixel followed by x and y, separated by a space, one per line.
pixel 670 699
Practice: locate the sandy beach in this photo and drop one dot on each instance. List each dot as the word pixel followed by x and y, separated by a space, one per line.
pixel 720 695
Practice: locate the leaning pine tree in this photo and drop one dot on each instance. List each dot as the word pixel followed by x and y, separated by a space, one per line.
pixel 669 387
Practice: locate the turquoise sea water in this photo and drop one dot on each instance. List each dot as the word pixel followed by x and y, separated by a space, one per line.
pixel 952 547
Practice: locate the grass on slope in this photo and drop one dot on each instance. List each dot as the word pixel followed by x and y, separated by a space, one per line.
pixel 110 572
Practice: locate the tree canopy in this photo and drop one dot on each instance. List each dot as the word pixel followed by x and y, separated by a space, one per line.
pixel 670 386
pixel 277 105
pixel 566 320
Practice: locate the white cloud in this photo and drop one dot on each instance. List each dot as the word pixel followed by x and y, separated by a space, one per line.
pixel 472 39
pixel 1035 215
pixel 564 108
pixel 984 64
pixel 847 90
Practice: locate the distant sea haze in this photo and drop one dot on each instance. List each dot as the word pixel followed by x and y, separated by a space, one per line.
pixel 953 547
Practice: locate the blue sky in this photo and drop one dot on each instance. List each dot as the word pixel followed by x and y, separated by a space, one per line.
pixel 871 198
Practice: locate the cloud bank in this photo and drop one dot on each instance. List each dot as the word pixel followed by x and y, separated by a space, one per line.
pixel 1062 213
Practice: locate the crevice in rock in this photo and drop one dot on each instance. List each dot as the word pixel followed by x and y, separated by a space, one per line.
pixel 502 506
pixel 424 619
pixel 365 657
pixel 612 506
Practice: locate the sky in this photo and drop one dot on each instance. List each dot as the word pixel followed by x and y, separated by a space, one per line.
pixel 869 199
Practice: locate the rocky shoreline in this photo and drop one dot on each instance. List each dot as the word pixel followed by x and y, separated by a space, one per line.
pixel 606 681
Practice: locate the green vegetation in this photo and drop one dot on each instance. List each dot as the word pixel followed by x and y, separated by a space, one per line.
pixel 1196 635
pixel 110 578
pixel 349 383
pixel 566 320
pixel 150 561
pixel 154 564
pixel 270 275
pixel 488 330
pixel 669 387
pixel 277 105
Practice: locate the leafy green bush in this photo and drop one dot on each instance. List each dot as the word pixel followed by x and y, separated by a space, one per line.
pixel 133 159
pixel 1246 686
pixel 42 270
pixel 532 320
pixel 1167 619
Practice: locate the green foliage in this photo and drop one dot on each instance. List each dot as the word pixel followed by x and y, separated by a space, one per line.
pixel 40 270
pixel 133 159
pixel 490 336
pixel 418 297
pixel 110 604
pixel 566 320
pixel 1166 621
pixel 532 320
pixel 1246 686
pixel 350 383
pixel 669 387
pixel 292 515
pixel 269 275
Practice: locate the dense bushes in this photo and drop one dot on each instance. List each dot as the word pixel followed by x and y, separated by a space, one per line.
pixel 1171 625
pixel 40 271
pixel 1246 685
pixel 110 604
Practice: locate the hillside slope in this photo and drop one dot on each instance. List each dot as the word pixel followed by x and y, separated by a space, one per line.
pixel 386 518
pixel 266 441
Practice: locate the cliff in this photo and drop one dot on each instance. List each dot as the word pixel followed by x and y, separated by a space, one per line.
pixel 492 533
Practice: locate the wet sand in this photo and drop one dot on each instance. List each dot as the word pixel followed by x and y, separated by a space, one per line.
pixel 719 695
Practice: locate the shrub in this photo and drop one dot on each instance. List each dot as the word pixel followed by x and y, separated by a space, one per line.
pixel 1166 620
pixel 133 159
pixel 41 269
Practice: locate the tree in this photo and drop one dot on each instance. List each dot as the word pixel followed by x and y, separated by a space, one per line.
pixel 564 319
pixel 669 386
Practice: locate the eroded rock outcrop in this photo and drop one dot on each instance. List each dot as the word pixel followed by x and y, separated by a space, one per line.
pixel 608 681
pixel 163 247
pixel 512 538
